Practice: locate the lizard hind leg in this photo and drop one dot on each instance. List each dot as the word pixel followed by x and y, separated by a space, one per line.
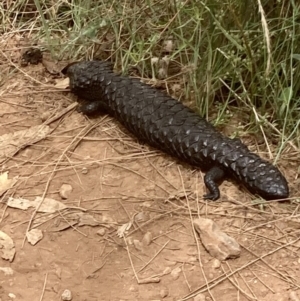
pixel 214 175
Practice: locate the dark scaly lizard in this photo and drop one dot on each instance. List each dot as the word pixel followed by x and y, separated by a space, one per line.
pixel 165 123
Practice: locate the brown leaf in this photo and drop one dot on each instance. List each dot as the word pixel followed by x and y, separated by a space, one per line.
pixel 11 143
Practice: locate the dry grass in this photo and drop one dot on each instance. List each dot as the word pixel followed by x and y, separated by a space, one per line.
pixel 231 59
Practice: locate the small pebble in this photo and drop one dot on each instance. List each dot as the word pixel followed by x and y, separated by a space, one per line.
pixel 147 239
pixel 65 191
pixel 66 295
pixel 193 259
pixel 216 263
pixel 176 273
pixel 168 45
pixel 12 296
pixel 45 115
pixel 84 170
pixel 164 292
pixel 101 231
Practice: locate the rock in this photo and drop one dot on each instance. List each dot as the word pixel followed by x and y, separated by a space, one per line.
pixel 65 191
pixel 176 273
pixel 12 296
pixel 216 263
pixel 66 295
pixel 34 236
pixel 147 239
pixel 84 170
pixel 101 232
pixel 216 242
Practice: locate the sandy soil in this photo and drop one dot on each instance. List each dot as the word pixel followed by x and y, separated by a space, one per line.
pixel 118 182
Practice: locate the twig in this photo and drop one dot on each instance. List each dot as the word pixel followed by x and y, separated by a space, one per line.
pixel 131 263
pixel 262 282
pixel 74 228
pixel 237 286
pixel 213 283
pixel 160 173
pixel 195 235
pixel 61 113
pixel 154 256
pixel 45 190
pixel 44 287
pixel 186 281
pixel 266 35
pixel 271 267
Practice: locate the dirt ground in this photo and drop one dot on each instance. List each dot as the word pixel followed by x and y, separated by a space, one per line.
pixel 119 184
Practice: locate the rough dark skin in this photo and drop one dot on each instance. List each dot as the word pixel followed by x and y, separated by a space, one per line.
pixel 165 123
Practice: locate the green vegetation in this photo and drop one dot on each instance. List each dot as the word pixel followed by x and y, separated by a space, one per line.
pixel 229 57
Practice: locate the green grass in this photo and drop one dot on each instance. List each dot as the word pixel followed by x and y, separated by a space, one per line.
pixel 230 60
